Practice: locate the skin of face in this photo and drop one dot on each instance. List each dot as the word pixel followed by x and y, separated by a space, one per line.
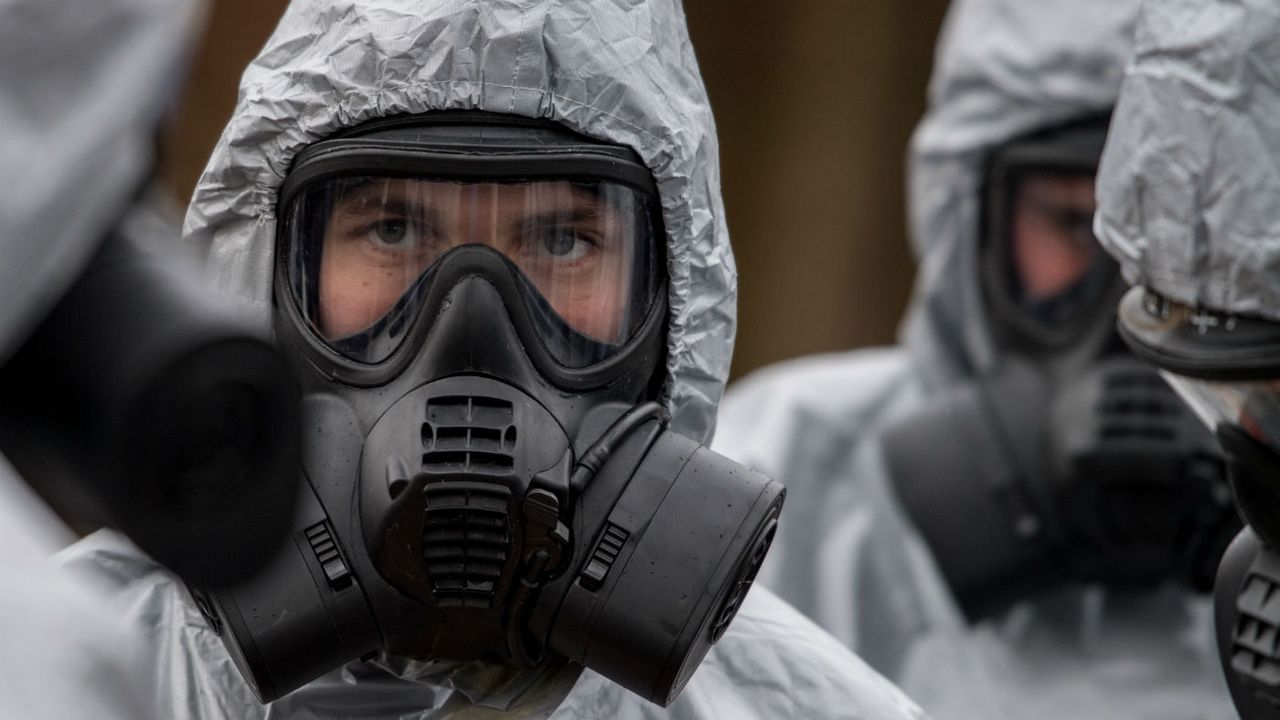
pixel 1051 232
pixel 384 233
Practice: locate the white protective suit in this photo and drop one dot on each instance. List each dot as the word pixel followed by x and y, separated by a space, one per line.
pixel 618 70
pixel 1189 179
pixel 846 554
pixel 1187 205
pixel 81 87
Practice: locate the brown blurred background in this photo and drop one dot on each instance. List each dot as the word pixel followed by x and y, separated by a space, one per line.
pixel 815 101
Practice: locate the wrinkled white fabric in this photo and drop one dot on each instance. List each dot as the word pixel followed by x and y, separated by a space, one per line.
pixel 60 650
pixel 618 70
pixel 1189 180
pixel 846 555
pixel 82 87
pixel 1002 69
pixel 772 663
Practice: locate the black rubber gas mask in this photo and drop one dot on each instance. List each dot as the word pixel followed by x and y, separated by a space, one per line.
pixel 477 308
pixel 1069 460
pixel 144 402
pixel 1046 281
pixel 1227 369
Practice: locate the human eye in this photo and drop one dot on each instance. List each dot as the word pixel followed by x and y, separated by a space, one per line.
pixel 389 232
pixel 393 233
pixel 1077 225
pixel 565 243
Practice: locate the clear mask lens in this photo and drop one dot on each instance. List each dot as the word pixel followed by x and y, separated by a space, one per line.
pixel 1054 266
pixel 359 251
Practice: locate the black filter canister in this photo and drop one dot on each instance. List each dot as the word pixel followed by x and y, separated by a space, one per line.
pixel 302 616
pixel 174 414
pixel 669 569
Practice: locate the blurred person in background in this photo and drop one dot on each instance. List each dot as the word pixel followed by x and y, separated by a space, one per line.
pixel 1008 515
pixel 80 87
pixel 1187 205
pixel 308 210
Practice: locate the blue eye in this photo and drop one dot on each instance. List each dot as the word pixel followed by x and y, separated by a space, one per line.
pixel 390 231
pixel 566 243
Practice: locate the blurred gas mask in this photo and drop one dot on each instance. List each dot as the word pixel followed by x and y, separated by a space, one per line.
pixel 476 305
pixel 131 395
pixel 144 402
pixel 1071 460
pixel 1048 284
pixel 1225 367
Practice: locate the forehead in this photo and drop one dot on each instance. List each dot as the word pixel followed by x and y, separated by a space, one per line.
pixel 1059 187
pixel 377 192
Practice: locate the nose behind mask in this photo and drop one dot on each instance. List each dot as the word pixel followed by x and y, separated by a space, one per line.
pixel 1018 483
pixel 473 509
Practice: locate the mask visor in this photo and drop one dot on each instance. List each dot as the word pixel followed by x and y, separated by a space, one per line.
pixel 1046 275
pixel 359 251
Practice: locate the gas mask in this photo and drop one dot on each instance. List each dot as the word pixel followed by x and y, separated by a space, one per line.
pixel 1070 460
pixel 1225 368
pixel 142 401
pixel 477 310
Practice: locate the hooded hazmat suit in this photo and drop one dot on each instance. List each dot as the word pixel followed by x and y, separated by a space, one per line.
pixel 81 87
pixel 621 71
pixel 1186 205
pixel 846 554
pixel 1189 178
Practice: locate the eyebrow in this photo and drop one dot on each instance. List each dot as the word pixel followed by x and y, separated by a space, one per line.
pixel 550 218
pixel 574 215
pixel 364 197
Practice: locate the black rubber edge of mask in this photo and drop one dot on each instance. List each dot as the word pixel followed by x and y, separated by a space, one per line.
pixel 465 145
pixel 1073 146
pixel 552 152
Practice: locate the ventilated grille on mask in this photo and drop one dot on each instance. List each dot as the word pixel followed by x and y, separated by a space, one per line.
pixel 466 537
pixel 1255 646
pixel 465 541
pixel 468 435
pixel 746 576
